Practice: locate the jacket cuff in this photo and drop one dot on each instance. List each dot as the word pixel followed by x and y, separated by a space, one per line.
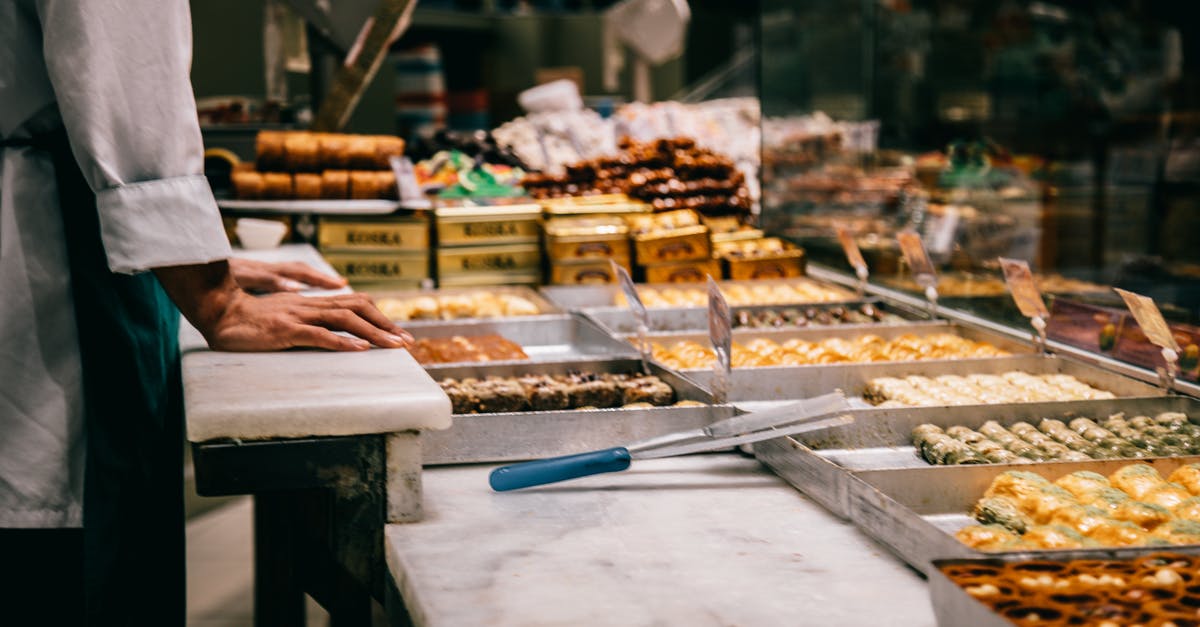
pixel 164 222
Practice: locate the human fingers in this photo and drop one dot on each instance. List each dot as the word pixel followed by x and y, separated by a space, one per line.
pixel 362 305
pixel 309 336
pixel 349 321
pixel 302 272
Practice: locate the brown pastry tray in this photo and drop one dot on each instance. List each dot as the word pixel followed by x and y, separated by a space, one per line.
pixel 547 309
pixel 516 436
pixel 820 463
pixel 915 512
pixel 563 337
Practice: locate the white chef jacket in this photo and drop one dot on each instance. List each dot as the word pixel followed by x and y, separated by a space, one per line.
pixel 115 73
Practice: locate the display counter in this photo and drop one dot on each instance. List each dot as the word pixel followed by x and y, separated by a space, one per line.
pixel 699 540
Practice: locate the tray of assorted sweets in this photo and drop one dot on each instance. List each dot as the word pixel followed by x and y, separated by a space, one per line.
pixel 564 337
pixel 934 382
pixel 515 411
pixel 1160 589
pixel 1096 509
pixel 870 312
pixel 793 291
pixel 820 463
pixel 758 348
pixel 413 308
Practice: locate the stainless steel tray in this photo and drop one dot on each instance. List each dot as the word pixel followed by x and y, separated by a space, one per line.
pixel 915 512
pixel 562 337
pixel 952 606
pixel 584 297
pixel 849 331
pixel 529 435
pixel 620 320
pixel 798 382
pixel 548 309
pixel 819 463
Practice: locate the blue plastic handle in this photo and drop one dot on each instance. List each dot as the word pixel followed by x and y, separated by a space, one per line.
pixel 557 469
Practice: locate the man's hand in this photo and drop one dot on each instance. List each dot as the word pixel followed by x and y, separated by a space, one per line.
pixel 232 320
pixel 280 321
pixel 260 276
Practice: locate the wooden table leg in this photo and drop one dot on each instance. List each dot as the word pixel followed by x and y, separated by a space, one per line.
pixel 278 592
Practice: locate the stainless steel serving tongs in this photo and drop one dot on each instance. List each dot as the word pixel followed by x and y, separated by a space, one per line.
pixel 821 412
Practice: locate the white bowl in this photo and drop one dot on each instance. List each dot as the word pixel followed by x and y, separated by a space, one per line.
pixel 255 234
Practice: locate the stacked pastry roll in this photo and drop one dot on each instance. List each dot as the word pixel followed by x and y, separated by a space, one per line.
pixel 310 166
pixel 1133 506
pixel 978 389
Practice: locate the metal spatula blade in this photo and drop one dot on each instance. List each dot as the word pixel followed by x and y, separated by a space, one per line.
pixel 811 415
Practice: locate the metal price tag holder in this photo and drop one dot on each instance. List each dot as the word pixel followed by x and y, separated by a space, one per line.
pixel 1151 320
pixel 639 312
pixel 921 267
pixel 720 333
pixel 1027 296
pixel 854 256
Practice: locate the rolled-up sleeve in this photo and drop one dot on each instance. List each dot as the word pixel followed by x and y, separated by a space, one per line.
pixel 120 71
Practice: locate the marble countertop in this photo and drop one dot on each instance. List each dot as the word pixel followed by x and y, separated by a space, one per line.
pixel 699 540
pixel 301 393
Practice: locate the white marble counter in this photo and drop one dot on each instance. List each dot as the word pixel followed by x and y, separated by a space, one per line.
pixel 301 393
pixel 700 540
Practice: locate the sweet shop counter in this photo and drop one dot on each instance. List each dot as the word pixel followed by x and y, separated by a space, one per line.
pixel 699 540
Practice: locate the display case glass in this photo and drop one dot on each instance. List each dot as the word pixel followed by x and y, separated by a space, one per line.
pixel 1063 133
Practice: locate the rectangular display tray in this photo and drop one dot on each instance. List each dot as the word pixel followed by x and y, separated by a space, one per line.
pixel 819 463
pixel 849 332
pixel 548 310
pixel 563 337
pixel 952 606
pixel 915 512
pixel 620 320
pixel 798 382
pixel 586 297
pixel 516 436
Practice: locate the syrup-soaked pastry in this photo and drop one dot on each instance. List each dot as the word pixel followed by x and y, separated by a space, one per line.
pixel 460 349
pixel 1037 511
pixel 452 306
pixel 558 392
pixel 1010 387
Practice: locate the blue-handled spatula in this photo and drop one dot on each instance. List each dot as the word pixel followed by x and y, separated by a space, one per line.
pixel 821 412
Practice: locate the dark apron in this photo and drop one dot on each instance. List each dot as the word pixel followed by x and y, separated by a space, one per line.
pixel 133 555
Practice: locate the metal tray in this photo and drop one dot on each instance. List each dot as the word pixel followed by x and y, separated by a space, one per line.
pixel 952 606
pixel 563 337
pixel 620 320
pixel 850 331
pixel 323 207
pixel 799 382
pixel 548 310
pixel 528 435
pixel 915 512
pixel 819 463
pixel 584 297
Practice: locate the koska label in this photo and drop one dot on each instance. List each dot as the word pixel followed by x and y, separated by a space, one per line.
pixel 379 267
pixel 488 259
pixel 373 235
